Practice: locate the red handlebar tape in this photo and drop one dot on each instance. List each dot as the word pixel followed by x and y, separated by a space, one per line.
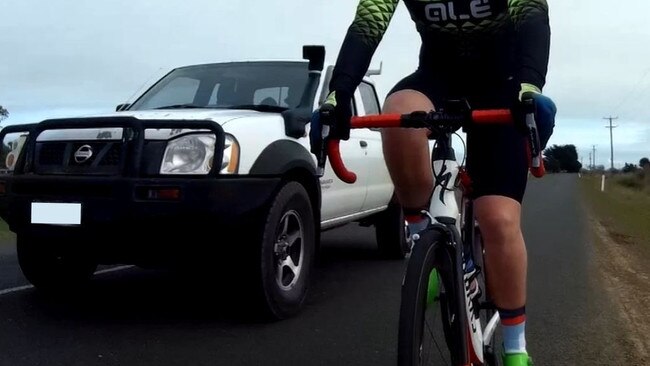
pixel 337 163
pixel 492 116
pixel 377 121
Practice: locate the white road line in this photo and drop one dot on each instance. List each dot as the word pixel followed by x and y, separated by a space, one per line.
pixel 15 289
pixel 113 269
pixel 27 287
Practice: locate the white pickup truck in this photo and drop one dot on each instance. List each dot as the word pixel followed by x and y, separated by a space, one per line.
pixel 209 166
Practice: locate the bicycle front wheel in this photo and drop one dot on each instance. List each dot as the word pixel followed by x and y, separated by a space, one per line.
pixel 429 329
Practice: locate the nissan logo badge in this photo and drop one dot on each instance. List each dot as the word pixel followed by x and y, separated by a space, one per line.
pixel 83 154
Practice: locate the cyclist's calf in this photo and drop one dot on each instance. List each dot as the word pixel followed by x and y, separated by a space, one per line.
pixel 499 219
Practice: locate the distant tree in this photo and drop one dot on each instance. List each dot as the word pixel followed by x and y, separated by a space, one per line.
pixel 4 113
pixel 566 156
pixel 551 164
pixel 629 168
pixel 644 163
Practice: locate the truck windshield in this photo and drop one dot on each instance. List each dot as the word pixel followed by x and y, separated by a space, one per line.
pixel 264 86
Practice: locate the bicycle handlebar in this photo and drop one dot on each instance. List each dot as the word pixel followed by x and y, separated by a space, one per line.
pixel 424 120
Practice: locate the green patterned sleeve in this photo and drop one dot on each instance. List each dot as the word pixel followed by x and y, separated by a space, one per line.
pixel 361 41
pixel 533 38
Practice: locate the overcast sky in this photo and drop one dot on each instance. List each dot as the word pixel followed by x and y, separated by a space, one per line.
pixel 84 56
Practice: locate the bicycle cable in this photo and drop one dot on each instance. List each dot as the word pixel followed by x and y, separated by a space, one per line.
pixel 437 176
pixel 464 148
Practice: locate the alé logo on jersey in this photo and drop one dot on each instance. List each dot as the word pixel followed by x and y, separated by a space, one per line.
pixel 444 11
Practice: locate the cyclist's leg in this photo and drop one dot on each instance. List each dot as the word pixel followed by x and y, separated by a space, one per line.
pixel 406 151
pixel 498 166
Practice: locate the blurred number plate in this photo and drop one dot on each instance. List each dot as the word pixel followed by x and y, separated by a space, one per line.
pixel 56 213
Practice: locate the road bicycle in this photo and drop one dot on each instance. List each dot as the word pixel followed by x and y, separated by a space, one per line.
pixel 444 297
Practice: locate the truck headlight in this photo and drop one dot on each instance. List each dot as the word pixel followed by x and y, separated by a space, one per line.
pixel 189 154
pixel 193 154
pixel 16 147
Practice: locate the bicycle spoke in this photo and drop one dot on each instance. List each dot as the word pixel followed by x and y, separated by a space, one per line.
pixel 435 342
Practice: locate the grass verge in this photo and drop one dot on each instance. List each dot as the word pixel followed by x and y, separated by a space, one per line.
pixel 623 210
pixel 5 234
pixel 620 224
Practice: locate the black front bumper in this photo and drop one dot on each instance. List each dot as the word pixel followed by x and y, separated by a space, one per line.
pixel 119 222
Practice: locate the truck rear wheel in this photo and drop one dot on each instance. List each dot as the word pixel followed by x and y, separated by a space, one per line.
pixel 390 230
pixel 49 267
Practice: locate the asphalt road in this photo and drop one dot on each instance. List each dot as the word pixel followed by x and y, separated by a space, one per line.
pixel 138 317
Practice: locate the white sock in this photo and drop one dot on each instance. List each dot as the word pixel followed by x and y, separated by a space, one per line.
pixel 514 338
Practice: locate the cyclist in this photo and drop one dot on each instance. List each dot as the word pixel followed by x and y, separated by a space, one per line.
pixel 494 53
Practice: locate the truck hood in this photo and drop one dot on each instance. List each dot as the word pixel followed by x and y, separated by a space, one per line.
pixel 221 116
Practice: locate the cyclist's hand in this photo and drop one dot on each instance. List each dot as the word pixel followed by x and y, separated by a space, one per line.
pixel 340 103
pixel 545 111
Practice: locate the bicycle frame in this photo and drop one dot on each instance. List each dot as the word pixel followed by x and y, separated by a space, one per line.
pixel 444 210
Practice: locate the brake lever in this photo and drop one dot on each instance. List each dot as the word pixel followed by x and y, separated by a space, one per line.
pixel 533 133
pixel 534 144
pixel 535 148
pixel 320 129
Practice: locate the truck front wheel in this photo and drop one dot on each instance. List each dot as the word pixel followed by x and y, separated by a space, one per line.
pixel 286 253
pixel 50 268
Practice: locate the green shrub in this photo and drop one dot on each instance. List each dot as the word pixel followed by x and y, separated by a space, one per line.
pixel 634 181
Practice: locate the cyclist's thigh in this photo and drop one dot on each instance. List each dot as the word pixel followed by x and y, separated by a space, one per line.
pixel 406 150
pixel 411 94
pixel 497 161
pixel 416 92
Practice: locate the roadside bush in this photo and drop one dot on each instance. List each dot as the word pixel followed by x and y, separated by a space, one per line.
pixel 630 168
pixel 633 180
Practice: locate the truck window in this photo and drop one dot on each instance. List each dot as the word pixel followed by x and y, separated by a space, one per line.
pixel 369 98
pixel 273 96
pixel 229 84
pixel 181 90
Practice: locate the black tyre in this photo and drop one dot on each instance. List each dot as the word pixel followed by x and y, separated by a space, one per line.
pixel 51 267
pixel 428 324
pixel 491 353
pixel 390 229
pixel 286 253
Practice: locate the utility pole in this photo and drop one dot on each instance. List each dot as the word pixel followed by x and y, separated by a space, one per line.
pixel 594 155
pixel 590 165
pixel 611 138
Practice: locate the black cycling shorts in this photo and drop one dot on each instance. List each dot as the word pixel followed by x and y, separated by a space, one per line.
pixel 496 154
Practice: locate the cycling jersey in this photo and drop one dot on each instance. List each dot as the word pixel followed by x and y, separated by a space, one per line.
pixel 464 42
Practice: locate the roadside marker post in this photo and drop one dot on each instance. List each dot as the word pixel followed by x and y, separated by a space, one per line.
pixel 602 184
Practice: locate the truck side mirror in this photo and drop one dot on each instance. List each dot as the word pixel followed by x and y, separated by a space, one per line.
pixel 295 122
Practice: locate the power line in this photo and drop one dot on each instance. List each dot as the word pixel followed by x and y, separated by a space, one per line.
pixel 635 107
pixel 631 92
